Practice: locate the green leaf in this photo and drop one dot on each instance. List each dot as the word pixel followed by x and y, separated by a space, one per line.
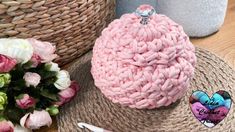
pixel 18 73
pixel 19 84
pixel 47 94
pixel 47 74
pixel 14 114
pixel 27 65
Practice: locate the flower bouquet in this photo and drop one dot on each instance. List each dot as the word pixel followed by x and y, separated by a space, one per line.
pixel 32 87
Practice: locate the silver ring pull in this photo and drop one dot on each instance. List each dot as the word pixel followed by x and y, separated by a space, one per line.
pixel 145 11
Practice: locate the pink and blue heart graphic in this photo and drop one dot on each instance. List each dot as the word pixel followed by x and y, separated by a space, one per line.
pixel 210 111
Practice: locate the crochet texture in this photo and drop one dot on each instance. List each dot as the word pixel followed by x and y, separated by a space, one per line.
pixel 143 66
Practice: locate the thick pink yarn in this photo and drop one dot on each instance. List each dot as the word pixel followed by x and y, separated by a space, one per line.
pixel 143 66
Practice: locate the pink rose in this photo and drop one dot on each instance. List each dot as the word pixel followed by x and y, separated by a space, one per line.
pixel 67 94
pixel 36 60
pixel 6 64
pixel 6 126
pixel 25 101
pixel 32 79
pixel 44 50
pixel 36 119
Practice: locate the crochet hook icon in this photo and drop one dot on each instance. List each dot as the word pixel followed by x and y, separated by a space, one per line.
pixel 91 127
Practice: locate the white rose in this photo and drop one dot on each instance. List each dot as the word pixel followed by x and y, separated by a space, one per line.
pixel 19 128
pixel 32 79
pixel 51 66
pixel 63 80
pixel 36 119
pixel 19 49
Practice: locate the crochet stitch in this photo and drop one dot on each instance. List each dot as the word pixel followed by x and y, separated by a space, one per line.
pixel 143 66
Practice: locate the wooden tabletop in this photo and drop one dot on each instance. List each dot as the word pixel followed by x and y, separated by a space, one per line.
pixel 222 43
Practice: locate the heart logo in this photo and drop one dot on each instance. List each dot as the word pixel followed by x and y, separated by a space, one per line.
pixel 210 111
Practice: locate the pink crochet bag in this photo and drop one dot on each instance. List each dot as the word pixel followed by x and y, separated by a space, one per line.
pixel 143 60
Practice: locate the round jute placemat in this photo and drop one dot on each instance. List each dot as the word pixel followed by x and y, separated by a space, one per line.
pixel 90 106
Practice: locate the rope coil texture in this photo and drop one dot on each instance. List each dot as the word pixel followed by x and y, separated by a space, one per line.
pixel 91 106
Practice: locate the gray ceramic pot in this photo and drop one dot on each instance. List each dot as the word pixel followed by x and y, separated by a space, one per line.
pixel 198 17
pixel 128 6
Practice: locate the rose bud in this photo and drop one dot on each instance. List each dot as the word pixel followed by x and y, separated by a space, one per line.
pixel 35 60
pixel 6 64
pixel 5 79
pixel 67 94
pixel 44 50
pixel 32 79
pixel 24 101
pixel 51 66
pixel 3 100
pixel 63 80
pixel 6 126
pixel 36 120
pixel 53 110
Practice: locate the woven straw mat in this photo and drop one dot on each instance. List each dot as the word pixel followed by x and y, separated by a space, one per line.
pixel 90 106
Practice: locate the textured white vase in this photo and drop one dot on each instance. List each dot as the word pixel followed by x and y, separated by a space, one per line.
pixel 198 17
pixel 129 6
